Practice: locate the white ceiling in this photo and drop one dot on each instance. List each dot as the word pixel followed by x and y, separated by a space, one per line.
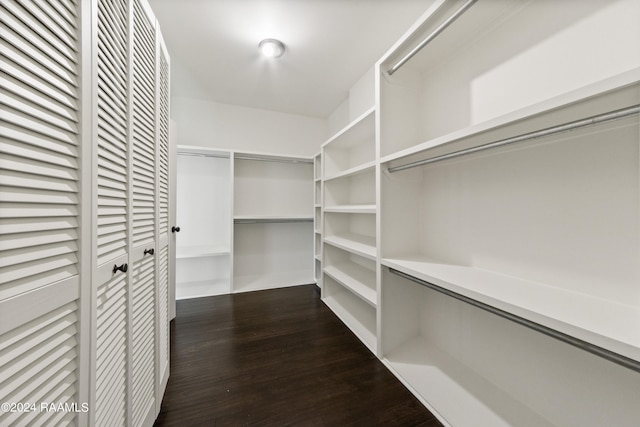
pixel 330 44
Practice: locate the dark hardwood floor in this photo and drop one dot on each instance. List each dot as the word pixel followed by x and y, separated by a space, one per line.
pixel 277 358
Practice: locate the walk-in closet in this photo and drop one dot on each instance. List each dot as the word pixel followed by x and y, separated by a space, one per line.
pixel 275 212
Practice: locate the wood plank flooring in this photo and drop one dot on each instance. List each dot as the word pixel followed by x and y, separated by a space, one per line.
pixel 277 358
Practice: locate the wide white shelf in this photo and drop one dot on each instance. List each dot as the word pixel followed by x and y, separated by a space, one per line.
pixel 355 278
pixel 272 280
pixel 202 288
pixel 354 313
pixel 610 325
pixel 355 170
pixel 351 209
pixel 261 156
pixel 272 218
pixel 455 393
pixel 201 251
pixel 360 129
pixel 355 243
pixel 570 99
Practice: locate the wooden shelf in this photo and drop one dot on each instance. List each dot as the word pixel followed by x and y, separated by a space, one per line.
pixel 445 386
pixel 365 209
pixel 599 322
pixel 357 279
pixel 355 243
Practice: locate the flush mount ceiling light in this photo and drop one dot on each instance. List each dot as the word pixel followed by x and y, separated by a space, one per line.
pixel 271 48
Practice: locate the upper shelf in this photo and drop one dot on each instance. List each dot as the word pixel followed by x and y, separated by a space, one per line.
pixel 492 68
pixel 350 148
pixel 361 129
pixel 605 324
pixel 355 170
pixel 617 92
pixel 253 219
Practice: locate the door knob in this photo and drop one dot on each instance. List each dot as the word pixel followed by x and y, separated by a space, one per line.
pixel 124 267
pixel 149 251
pixel 175 229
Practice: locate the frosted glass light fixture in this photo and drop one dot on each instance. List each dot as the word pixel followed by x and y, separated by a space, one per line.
pixel 271 48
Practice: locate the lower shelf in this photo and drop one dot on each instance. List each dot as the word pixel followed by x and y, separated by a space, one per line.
pixel 273 280
pixel 202 288
pixel 606 324
pixel 436 379
pixel 354 312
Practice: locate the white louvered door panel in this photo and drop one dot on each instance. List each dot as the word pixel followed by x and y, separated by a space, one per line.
pixel 143 342
pixel 112 116
pixel 39 149
pixel 143 321
pixel 163 214
pixel 111 362
pixel 39 362
pixel 112 213
pixel 39 207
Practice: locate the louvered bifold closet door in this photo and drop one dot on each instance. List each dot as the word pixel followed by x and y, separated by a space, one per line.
pixel 111 201
pixel 143 326
pixel 39 208
pixel 162 92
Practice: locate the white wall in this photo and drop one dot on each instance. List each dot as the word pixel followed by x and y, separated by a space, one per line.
pixel 339 118
pixel 211 124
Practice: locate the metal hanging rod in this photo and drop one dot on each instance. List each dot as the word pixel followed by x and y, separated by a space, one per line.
pixel 589 121
pixel 568 339
pixel 435 33
pixel 273 159
pixel 270 220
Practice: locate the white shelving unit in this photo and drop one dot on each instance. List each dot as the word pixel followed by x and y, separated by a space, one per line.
pixel 203 245
pixel 273 240
pixel 349 227
pixel 317 220
pixel 509 245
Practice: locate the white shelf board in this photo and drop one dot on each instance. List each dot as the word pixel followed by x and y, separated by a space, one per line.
pixel 272 280
pixel 355 243
pixel 620 81
pixel 355 278
pixel 358 130
pixel 262 156
pixel 190 150
pixel 344 305
pixel 201 251
pixel 364 209
pixel 446 386
pixel 355 170
pixel 202 288
pixel 606 324
pixel 274 218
